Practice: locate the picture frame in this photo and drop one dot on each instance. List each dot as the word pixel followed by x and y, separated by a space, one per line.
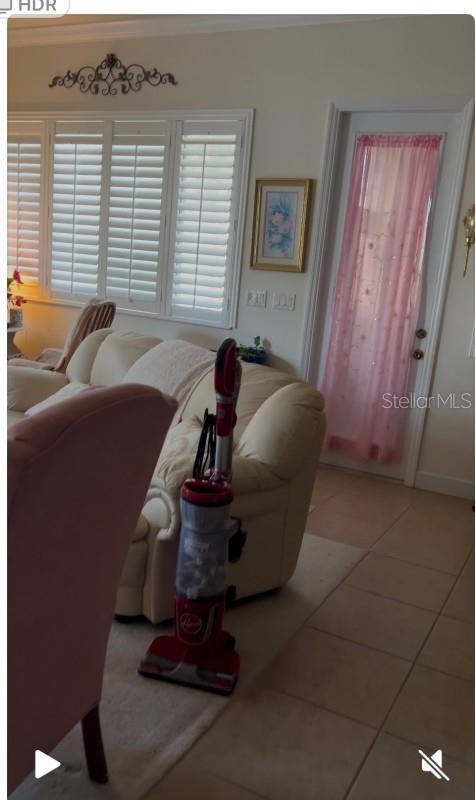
pixel 280 224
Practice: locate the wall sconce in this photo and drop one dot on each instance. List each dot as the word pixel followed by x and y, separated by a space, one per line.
pixel 468 223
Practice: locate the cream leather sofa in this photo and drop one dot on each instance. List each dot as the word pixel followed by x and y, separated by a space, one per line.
pixel 278 438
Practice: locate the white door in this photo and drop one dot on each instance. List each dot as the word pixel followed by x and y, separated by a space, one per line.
pixel 448 125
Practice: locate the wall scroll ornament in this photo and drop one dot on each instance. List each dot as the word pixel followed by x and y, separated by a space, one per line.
pixel 111 76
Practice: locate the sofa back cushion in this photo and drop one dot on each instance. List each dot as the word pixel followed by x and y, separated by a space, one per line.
pixel 70 390
pixel 257 384
pixel 174 367
pixel 81 362
pixel 116 355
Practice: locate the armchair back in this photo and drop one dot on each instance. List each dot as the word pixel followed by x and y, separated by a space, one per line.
pixel 77 478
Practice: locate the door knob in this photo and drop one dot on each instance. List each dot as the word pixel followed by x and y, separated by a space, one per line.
pixel 418 354
pixel 421 333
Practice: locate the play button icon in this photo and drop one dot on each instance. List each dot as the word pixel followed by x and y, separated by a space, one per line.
pixel 44 764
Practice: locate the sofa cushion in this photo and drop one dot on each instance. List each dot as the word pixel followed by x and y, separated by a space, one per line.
pixel 173 367
pixel 27 386
pixel 70 390
pixel 81 362
pixel 178 455
pixel 116 355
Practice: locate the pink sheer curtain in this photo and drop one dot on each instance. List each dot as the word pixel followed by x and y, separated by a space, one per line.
pixel 377 294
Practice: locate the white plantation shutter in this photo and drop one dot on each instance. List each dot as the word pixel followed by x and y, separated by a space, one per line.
pixel 135 207
pixel 76 209
pixel 203 242
pixel 147 212
pixel 24 190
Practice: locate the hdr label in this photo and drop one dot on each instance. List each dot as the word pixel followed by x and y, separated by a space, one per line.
pixel 37 5
pixel 34 8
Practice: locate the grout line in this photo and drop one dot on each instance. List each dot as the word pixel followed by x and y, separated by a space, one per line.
pixel 397 697
pixel 360 644
pixel 388 653
pixel 396 599
pixel 365 552
pixel 289 693
pixel 410 661
pixel 387 528
pixel 329 710
pixel 242 786
pixel 413 563
pixel 456 619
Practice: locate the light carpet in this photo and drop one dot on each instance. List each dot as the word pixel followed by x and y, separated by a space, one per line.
pixel 148 725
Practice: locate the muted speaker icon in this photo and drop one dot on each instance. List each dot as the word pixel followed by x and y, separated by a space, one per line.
pixel 433 764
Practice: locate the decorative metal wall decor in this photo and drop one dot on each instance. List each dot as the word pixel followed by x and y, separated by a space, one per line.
pixel 111 76
pixel 469 236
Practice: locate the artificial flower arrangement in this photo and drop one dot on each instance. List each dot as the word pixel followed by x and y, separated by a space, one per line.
pixel 14 301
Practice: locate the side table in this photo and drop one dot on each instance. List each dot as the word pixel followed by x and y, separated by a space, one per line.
pixel 12 349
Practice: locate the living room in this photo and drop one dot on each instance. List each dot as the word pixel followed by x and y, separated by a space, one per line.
pixel 144 230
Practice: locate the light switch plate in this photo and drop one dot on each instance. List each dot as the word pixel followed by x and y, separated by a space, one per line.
pixel 284 302
pixel 257 298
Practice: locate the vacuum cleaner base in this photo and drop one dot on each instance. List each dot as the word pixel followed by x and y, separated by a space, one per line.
pixel 214 669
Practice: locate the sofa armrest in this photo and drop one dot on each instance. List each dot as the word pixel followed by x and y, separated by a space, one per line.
pixel 251 476
pixel 286 432
pixel 27 386
pixel 26 362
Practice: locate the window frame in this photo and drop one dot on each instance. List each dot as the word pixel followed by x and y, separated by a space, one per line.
pixel 28 128
pixel 229 309
pixel 175 121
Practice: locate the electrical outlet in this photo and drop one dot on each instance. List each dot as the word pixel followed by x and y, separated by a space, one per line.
pixel 257 298
pixel 284 302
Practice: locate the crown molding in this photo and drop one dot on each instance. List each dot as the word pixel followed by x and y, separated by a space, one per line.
pixel 168 25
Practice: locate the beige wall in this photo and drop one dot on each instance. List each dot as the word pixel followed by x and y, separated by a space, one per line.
pixel 288 76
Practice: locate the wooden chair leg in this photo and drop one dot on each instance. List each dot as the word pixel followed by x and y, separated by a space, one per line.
pixel 93 746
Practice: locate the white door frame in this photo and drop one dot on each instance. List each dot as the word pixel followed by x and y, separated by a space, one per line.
pixel 311 337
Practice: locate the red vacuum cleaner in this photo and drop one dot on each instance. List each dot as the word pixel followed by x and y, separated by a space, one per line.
pixel 200 653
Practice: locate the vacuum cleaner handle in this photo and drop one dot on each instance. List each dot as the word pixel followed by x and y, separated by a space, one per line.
pixel 227 370
pixel 227 387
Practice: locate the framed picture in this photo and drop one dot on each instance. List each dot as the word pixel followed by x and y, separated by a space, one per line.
pixel 280 221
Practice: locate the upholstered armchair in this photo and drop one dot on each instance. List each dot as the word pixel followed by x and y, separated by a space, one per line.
pixel 77 478
pixel 96 315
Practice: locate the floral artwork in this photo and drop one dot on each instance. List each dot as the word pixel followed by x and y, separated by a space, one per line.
pixel 280 221
pixel 280 224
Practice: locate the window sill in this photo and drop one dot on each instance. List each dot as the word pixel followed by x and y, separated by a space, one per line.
pixel 134 312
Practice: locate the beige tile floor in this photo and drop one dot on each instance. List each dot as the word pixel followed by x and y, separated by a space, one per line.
pixel 385 666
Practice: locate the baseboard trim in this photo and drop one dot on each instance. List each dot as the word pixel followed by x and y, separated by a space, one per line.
pixel 444 484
